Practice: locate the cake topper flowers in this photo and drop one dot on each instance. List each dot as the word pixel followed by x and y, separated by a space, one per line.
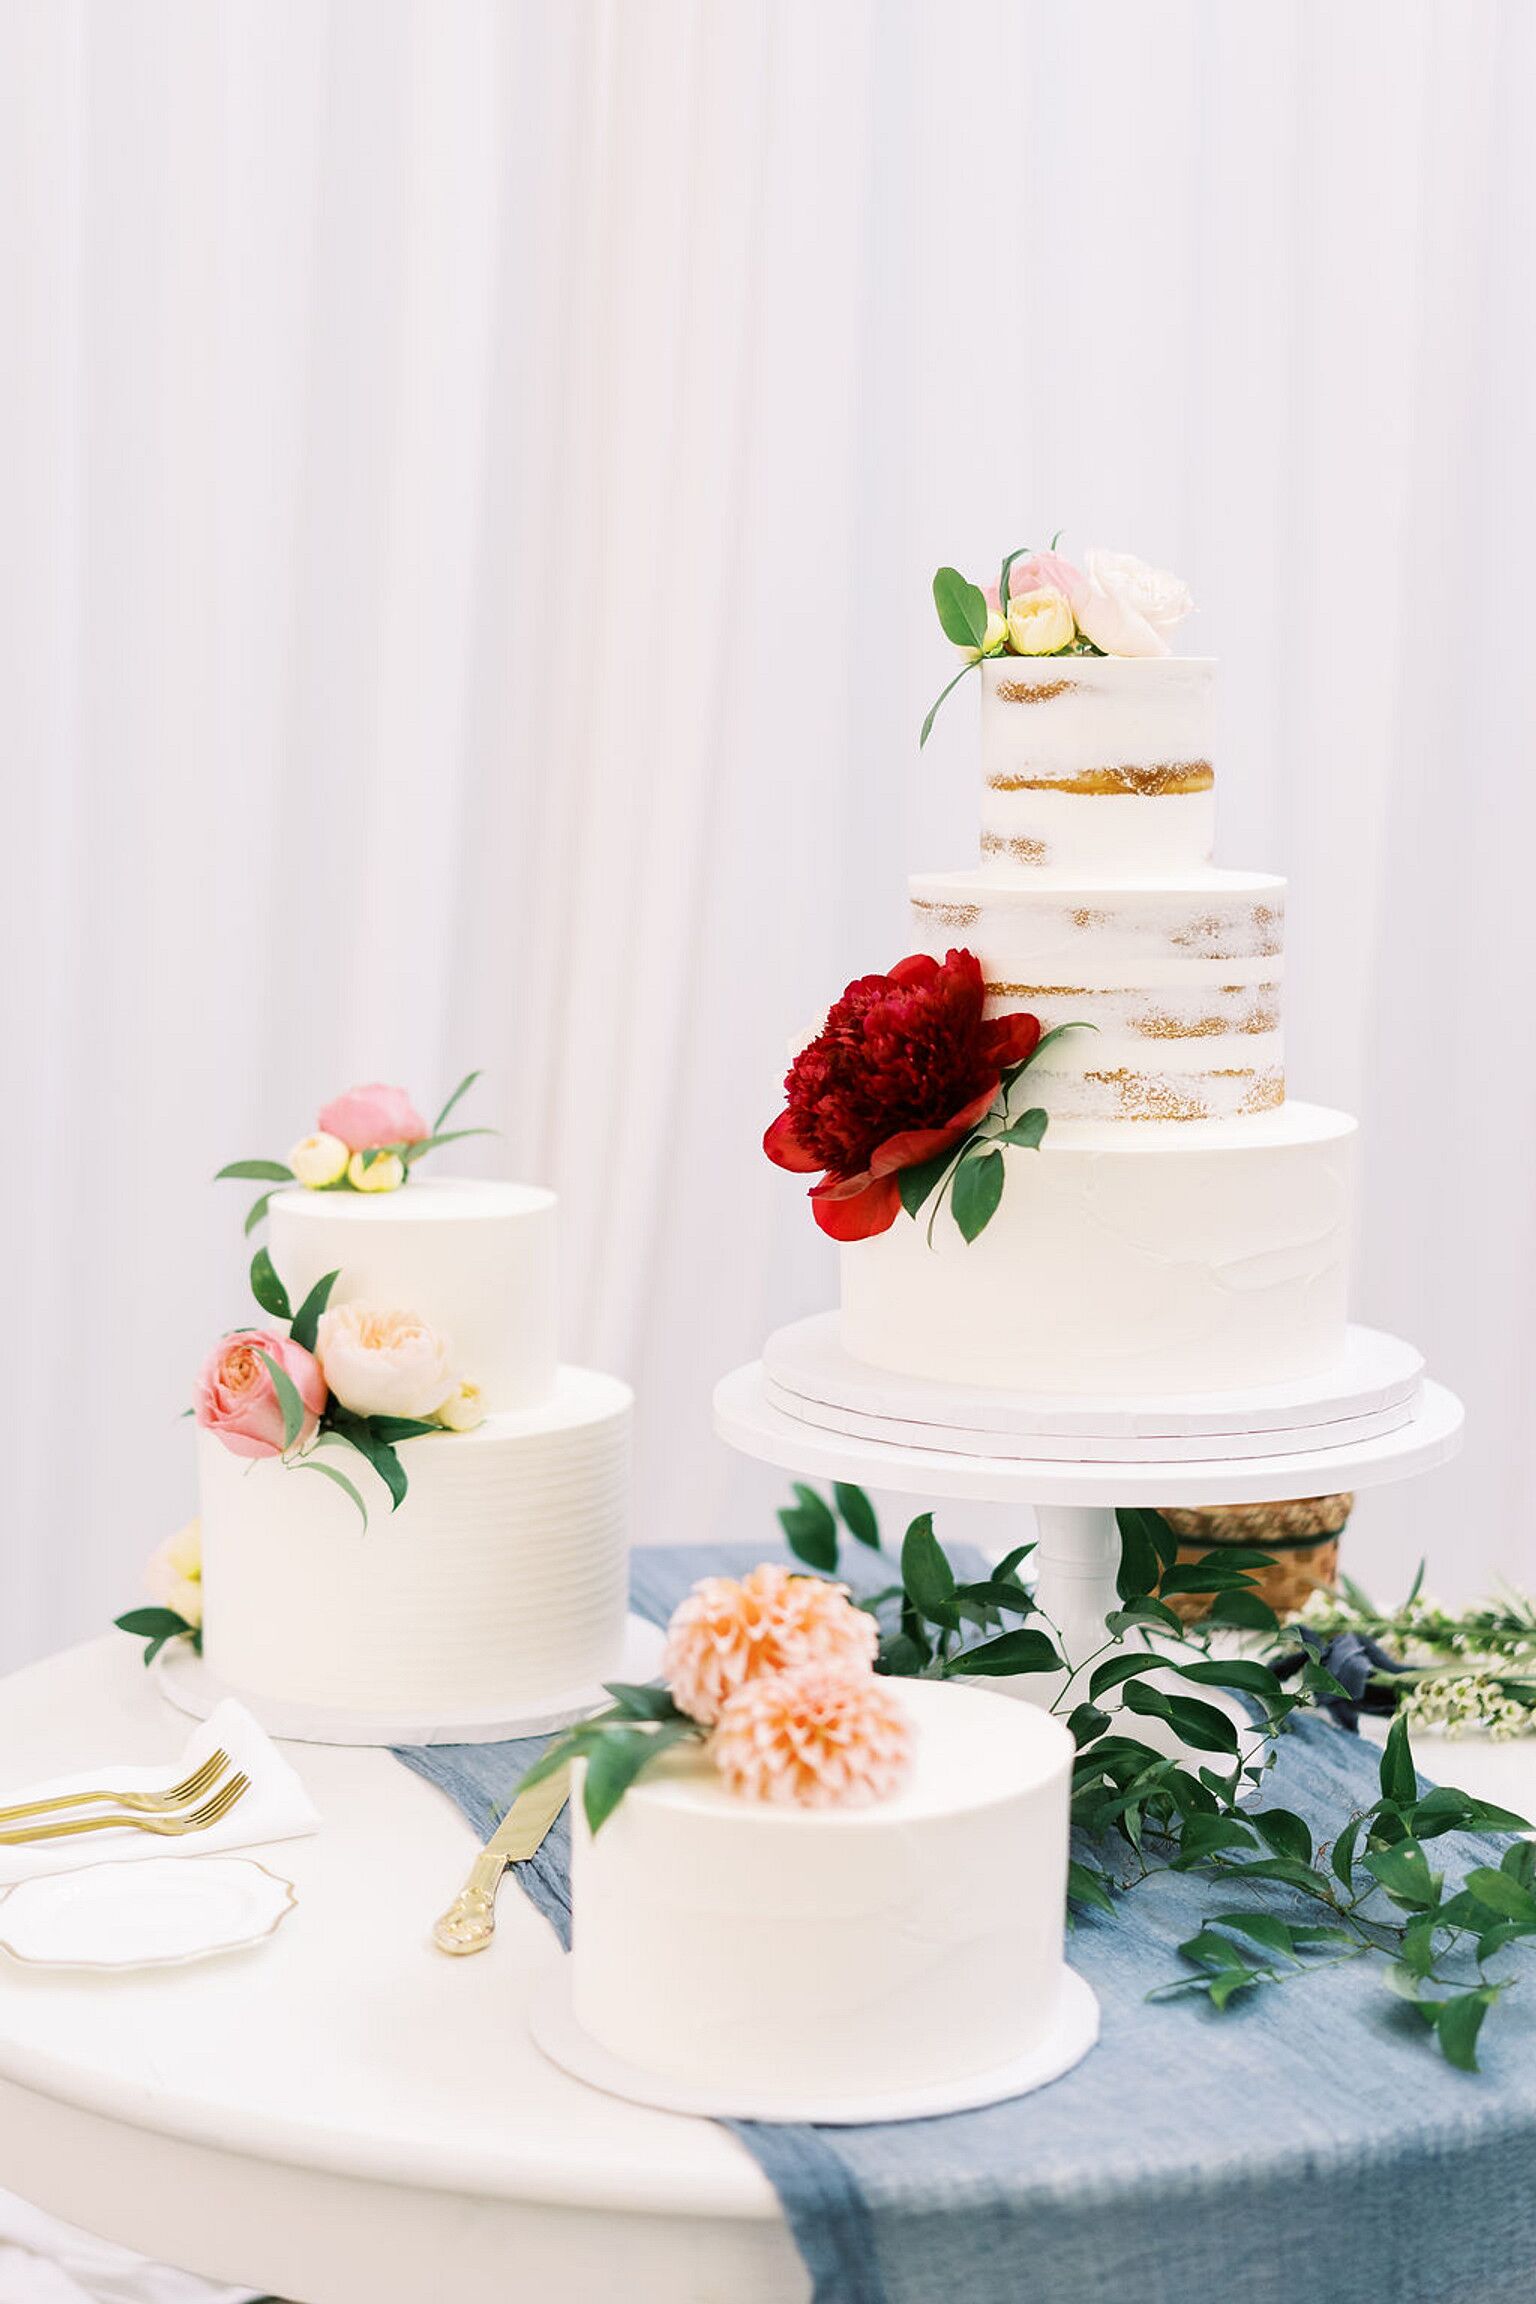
pixel 1044 605
pixel 365 1140
pixel 774 1674
pixel 906 1091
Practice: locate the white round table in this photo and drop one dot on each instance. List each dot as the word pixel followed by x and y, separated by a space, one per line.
pixel 345 2116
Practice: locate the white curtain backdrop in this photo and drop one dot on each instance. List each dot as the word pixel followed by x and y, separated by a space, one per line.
pixel 469 480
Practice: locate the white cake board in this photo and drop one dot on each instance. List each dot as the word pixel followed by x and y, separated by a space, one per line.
pixel 185 1680
pixel 1073 2031
pixel 1371 1390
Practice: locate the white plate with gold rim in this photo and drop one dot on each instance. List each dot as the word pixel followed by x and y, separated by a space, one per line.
pixel 157 1912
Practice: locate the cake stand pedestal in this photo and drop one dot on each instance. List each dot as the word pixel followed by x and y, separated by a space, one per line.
pixel 1303 1454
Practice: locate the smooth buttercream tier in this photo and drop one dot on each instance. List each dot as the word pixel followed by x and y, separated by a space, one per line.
pixel 1097 764
pixel 1180 979
pixel 500 1582
pixel 1205 1258
pixel 477 1260
pixel 729 1943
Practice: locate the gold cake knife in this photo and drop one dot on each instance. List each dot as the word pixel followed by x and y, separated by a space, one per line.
pixel 470 1921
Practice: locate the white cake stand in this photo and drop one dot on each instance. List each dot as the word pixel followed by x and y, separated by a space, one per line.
pixel 1371 1420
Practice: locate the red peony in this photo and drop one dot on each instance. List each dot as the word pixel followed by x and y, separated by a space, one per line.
pixel 904 1066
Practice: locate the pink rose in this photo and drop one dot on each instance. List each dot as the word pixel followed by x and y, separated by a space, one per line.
pixel 235 1396
pixel 366 1117
pixel 1042 572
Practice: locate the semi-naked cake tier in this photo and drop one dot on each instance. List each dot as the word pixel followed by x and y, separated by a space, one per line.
pixel 500 1583
pixel 1096 764
pixel 1182 1227
pixel 475 1259
pixel 732 1944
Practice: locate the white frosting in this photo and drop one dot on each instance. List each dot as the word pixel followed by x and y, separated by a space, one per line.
pixel 1198 1256
pixel 1098 764
pixel 1180 979
pixel 477 1260
pixel 725 1942
pixel 499 1583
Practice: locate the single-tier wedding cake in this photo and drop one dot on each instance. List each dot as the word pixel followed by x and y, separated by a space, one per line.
pixel 409 1508
pixel 1178 1226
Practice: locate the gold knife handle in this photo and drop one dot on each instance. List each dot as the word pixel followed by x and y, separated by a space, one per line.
pixel 470 1920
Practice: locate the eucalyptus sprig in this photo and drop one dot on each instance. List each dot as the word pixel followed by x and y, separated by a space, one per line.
pixel 1135 1811
pixel 971 1174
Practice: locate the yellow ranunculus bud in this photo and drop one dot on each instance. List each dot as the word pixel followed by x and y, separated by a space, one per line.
pixel 319 1160
pixel 463 1408
pixel 385 1172
pixel 1040 623
pixel 174 1576
pixel 996 639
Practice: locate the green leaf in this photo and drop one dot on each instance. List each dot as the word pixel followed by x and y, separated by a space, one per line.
pixel 257 1171
pixel 962 608
pixel 1087 1885
pixel 1143 1611
pixel 809 1528
pixel 926 1573
pixel 1457 2024
pixel 1399 1778
pixel 1026 1131
pixel 933 709
pixel 1205 1836
pixel 857 1513
pixel 1404 1873
pixel 1243 1612
pixel 307 1318
pixel 1260 1927
pixel 1025 1650
pixel 1140 1563
pixel 1153 1527
pixel 1208 1950
pixel 258 1209
pixel 1007 1568
pixel 157 1626
pixel 1116 1669
pixel 1198 1723
pixel 618 1757
pixel 1005 572
pixel 392 1429
pixel 382 1457
pixel 978 1188
pixel 637 1701
pixel 1445 1810
pixel 266 1287
pixel 462 1089
pixel 915 1183
pixel 1243 1672
pixel 1500 1892
pixel 294 1411
pixel 1343 1858
pixel 338 1479
pixel 1232 1981
pixel 1085 1722
pixel 414 1152
pixel 1211 1574
pixel 900 1657
pixel 1285 1832
pixel 1056 1032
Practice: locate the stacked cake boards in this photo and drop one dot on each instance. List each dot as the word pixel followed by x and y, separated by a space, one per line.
pixel 496 1585
pixel 1182 1227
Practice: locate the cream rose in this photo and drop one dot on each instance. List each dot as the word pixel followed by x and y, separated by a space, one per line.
pixel 1127 608
pixel 173 1575
pixel 1040 623
pixel 996 635
pixel 385 1172
pixel 463 1409
pixel 319 1160
pixel 383 1363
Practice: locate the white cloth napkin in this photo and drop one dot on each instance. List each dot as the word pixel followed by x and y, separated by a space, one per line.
pixel 276 1807
pixel 45 2262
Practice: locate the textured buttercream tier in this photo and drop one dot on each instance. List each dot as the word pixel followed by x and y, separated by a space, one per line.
pixel 727 1943
pixel 1180 979
pixel 500 1582
pixel 477 1260
pixel 1205 1258
pixel 1096 764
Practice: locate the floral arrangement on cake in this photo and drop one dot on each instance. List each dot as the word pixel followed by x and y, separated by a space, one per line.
pixel 173 1577
pixel 360 1377
pixel 774 1674
pixel 1044 605
pixel 906 1094
pixel 366 1140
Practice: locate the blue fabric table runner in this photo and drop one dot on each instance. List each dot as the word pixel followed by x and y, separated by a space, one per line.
pixel 1309 2146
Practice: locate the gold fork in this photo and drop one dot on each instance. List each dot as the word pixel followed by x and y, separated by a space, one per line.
pixel 191 1788
pixel 196 1820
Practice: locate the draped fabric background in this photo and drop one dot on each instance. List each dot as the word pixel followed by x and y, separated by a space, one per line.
pixel 469 479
